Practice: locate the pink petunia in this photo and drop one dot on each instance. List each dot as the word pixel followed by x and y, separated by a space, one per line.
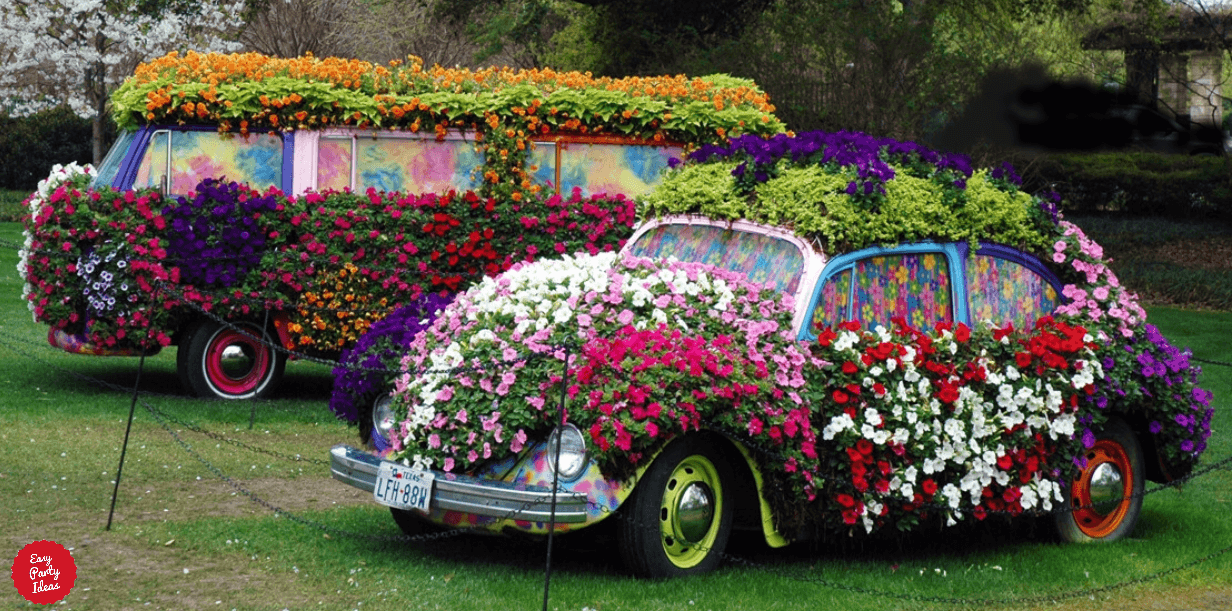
pixel 625 317
pixel 518 442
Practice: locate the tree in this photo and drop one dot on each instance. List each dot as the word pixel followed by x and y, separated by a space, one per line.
pixel 291 28
pixel 76 52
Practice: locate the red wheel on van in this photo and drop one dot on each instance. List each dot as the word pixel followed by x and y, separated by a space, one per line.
pixel 234 361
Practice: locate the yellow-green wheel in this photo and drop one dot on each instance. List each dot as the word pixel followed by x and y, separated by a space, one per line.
pixel 679 518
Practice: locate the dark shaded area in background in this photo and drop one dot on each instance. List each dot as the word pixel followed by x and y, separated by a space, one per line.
pixel 31 146
pixel 1024 110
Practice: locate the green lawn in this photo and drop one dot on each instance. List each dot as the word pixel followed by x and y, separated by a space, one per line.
pixel 184 538
pixel 10 204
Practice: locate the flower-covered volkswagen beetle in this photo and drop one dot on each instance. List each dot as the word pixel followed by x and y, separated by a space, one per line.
pixel 811 333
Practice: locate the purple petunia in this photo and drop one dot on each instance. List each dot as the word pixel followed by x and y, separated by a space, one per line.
pixel 363 368
pixel 214 239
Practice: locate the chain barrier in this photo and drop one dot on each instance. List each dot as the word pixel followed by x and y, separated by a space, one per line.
pixel 1210 362
pixel 774 455
pixel 164 420
pixel 452 371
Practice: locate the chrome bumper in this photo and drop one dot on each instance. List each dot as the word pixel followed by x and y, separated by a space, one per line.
pixel 467 494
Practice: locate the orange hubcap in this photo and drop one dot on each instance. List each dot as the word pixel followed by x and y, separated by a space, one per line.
pixel 1101 495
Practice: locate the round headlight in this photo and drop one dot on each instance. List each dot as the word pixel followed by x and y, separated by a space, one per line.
pixel 571 445
pixel 383 421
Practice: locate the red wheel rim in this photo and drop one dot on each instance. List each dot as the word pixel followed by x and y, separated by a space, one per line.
pixel 1107 477
pixel 236 364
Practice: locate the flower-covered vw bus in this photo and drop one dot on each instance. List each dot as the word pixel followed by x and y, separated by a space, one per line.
pixel 811 334
pixel 252 202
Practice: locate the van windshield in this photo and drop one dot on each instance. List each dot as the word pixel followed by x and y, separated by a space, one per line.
pixel 760 257
pixel 111 163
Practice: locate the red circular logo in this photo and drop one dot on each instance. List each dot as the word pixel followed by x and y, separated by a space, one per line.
pixel 44 572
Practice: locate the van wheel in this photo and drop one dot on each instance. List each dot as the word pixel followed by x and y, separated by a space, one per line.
pixel 680 515
pixel 1105 498
pixel 226 362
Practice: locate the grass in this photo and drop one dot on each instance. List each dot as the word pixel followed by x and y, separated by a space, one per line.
pixel 184 539
pixel 10 205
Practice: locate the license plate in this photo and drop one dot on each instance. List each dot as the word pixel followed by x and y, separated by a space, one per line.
pixel 403 487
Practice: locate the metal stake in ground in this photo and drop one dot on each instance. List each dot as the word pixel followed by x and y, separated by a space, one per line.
pixel 560 441
pixel 127 429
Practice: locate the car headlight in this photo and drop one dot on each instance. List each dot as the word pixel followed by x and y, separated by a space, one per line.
pixel 383 420
pixel 570 443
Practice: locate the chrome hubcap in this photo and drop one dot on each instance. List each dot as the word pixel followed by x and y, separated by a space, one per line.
pixel 1107 487
pixel 695 512
pixel 236 361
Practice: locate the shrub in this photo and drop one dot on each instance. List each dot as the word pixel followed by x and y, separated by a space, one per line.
pixel 1137 183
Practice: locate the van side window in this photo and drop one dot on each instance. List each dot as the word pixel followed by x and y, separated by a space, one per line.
pixel 405 164
pixel 185 158
pixel 1004 290
pixel 598 168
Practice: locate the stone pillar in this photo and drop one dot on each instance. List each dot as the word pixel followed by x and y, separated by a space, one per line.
pixel 1205 96
pixel 1174 85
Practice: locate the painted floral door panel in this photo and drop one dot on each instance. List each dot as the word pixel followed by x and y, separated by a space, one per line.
pixel 834 303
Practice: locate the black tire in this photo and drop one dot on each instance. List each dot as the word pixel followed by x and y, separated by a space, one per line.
pixel 654 538
pixel 228 362
pixel 1105 499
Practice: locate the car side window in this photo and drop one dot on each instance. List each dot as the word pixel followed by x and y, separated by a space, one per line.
pixel 1002 289
pixel 876 290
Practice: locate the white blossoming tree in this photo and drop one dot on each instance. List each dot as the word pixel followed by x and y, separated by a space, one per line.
pixel 75 52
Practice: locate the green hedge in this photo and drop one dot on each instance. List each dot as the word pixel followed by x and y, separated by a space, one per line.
pixel 1135 183
pixel 30 146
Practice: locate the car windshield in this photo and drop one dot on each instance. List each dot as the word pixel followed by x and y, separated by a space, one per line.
pixel 760 257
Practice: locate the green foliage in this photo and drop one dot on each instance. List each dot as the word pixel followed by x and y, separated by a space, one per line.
pixel 695 188
pixel 806 199
pixel 815 202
